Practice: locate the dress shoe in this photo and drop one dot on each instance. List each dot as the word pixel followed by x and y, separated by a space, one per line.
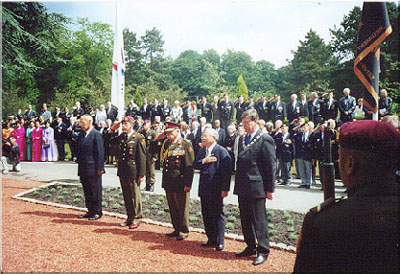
pixel 172 234
pixel 134 226
pixel 87 215
pixel 219 247
pixel 307 187
pixel 125 224
pixel 208 244
pixel 246 252
pixel 260 259
pixel 301 186
pixel 95 217
pixel 181 237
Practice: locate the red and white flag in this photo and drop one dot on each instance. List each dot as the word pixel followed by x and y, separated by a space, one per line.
pixel 118 68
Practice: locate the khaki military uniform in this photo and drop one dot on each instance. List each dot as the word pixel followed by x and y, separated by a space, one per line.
pixel 151 153
pixel 131 161
pixel 177 162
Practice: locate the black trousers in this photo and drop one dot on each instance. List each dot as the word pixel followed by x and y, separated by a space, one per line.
pixel 214 218
pixel 61 149
pixel 92 188
pixel 253 217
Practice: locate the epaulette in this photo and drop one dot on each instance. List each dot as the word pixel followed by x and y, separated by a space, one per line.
pixel 329 202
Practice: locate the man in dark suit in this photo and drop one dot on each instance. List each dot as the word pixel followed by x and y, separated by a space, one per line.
pixel 165 110
pixel 221 133
pixel 216 111
pixel 240 106
pixel 145 110
pixel 315 108
pixel 206 110
pixel 254 182
pixel 331 108
pixel 263 109
pixel 60 134
pixel 347 106
pixel 90 152
pixel 303 105
pixel 78 110
pixel 155 110
pixel 131 169
pixel 30 113
pixel 293 108
pixel 112 112
pixel 278 109
pixel 132 109
pixel 227 108
pixel 360 233
pixel 214 163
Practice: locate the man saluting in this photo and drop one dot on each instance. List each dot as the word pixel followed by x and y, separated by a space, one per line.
pixel 131 169
pixel 90 154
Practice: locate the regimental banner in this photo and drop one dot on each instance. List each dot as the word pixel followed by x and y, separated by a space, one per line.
pixel 374 29
pixel 118 68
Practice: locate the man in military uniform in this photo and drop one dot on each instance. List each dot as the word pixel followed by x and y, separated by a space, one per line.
pixel 254 183
pixel 177 158
pixel 360 233
pixel 151 154
pixel 227 111
pixel 131 163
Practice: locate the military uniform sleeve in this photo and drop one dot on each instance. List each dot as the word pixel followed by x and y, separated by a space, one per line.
pixel 188 171
pixel 141 156
pixel 268 164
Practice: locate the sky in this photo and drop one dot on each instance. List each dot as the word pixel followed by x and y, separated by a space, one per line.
pixel 265 29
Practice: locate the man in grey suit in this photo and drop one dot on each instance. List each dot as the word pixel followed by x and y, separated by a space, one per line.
pixel 254 183
pixel 347 106
pixel 90 166
pixel 215 165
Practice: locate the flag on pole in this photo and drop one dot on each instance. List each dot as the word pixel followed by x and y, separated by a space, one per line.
pixel 118 68
pixel 374 28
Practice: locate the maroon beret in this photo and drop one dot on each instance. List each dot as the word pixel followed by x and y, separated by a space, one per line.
pixel 129 119
pixel 373 136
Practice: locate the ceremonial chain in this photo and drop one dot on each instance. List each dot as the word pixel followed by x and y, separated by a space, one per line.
pixel 255 139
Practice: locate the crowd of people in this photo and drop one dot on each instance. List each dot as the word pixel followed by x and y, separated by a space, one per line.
pixel 298 128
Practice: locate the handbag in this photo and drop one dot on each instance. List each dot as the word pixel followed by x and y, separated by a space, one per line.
pixel 46 144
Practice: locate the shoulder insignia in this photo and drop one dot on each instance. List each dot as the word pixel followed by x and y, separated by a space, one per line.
pixel 329 202
pixel 143 141
pixel 190 148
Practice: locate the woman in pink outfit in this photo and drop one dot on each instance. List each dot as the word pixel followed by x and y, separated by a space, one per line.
pixel 36 142
pixel 19 134
pixel 49 149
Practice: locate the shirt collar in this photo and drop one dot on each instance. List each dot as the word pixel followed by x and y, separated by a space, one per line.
pixel 88 131
pixel 211 147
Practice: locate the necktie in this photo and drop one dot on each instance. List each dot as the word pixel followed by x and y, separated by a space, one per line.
pixel 248 137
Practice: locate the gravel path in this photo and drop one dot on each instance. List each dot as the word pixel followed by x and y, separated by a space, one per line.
pixel 42 238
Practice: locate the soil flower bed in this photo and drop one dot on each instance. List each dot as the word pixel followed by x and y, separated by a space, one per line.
pixel 284 226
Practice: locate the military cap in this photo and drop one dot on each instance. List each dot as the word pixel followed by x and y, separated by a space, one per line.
pixel 170 126
pixel 373 136
pixel 129 119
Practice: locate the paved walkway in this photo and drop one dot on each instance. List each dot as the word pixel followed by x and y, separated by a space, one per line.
pixel 285 197
pixel 39 238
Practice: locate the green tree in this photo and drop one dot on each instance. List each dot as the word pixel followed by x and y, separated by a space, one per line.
pixel 30 37
pixel 310 66
pixel 87 74
pixel 152 44
pixel 135 66
pixel 236 63
pixel 242 88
